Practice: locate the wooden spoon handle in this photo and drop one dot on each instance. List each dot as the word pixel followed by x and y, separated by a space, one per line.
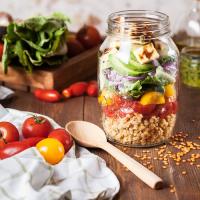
pixel 139 170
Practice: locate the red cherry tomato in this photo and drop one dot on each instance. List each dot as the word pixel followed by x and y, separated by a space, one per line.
pixel 92 82
pixel 31 142
pixel 36 126
pixel 63 136
pixel 74 47
pixel 78 89
pixel 92 90
pixel 67 93
pixel 47 95
pixel 110 111
pixel 1 50
pixel 12 148
pixel 166 109
pixel 143 109
pixel 89 36
pixel 8 133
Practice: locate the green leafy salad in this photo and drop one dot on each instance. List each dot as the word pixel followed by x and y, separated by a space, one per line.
pixel 36 41
pixel 134 79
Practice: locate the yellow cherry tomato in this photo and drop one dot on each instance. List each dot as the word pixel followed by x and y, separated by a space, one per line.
pixel 51 149
pixel 170 90
pixel 152 98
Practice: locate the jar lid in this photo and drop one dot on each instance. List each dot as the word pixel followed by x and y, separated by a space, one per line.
pixel 191 52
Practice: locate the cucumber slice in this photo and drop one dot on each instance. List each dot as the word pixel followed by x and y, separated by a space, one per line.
pixel 121 67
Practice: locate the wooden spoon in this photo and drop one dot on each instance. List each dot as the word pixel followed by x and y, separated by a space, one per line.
pixel 90 135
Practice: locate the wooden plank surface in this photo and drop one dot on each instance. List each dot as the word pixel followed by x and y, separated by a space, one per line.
pixel 186 186
pixel 77 68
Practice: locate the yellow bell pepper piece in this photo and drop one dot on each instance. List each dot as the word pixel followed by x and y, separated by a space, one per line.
pixel 170 90
pixel 104 101
pixel 152 98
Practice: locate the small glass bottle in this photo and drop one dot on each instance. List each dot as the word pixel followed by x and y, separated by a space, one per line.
pixel 189 31
pixel 138 79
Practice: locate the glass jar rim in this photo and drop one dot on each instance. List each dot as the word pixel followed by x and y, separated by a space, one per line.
pixel 191 52
pixel 138 23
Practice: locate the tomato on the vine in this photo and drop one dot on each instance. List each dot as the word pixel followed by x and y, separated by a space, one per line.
pixel 63 136
pixel 36 126
pixel 12 148
pixel 8 133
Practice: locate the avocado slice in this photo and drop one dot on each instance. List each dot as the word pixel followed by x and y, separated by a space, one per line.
pixel 121 67
pixel 126 69
pixel 133 64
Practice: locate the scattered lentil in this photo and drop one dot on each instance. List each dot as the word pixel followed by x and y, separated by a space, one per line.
pixel 184 172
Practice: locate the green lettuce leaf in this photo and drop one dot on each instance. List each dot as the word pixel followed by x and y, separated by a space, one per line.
pixel 36 41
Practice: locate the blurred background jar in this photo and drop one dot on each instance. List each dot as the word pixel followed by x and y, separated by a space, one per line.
pixel 190 66
pixel 188 33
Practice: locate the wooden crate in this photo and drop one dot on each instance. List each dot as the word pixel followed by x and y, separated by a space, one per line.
pixel 78 68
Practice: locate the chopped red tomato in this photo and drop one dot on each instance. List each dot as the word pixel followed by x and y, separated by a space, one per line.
pixel 168 108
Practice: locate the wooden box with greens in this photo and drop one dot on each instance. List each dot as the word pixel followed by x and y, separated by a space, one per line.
pixel 40 52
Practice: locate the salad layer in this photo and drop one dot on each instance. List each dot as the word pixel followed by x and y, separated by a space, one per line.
pixel 134 84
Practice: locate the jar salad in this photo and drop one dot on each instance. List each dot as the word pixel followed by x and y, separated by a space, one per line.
pixel 138 73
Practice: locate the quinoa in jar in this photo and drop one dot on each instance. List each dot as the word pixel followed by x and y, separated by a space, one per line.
pixel 137 74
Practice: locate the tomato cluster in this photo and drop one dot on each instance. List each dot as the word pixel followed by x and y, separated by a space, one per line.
pixel 74 90
pixel 35 131
pixel 121 107
pixel 87 37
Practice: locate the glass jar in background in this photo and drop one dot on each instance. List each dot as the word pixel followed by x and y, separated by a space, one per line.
pixel 138 73
pixel 188 33
pixel 190 66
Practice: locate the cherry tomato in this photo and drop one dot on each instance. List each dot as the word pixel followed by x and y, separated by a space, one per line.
pixel 47 95
pixel 32 141
pixel 1 50
pixel 52 150
pixel 36 126
pixel 110 111
pixel 12 148
pixel 144 109
pixel 78 88
pixel 92 90
pixel 8 133
pixel 92 82
pixel 63 136
pixel 89 36
pixel 74 47
pixel 166 109
pixel 67 92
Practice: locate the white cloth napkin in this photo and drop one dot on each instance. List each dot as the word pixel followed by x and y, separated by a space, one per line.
pixel 5 93
pixel 26 176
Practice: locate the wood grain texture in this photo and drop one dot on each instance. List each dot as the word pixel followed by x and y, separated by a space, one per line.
pixel 187 186
pixel 78 68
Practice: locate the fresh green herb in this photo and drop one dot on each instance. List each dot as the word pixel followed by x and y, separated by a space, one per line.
pixel 166 59
pixel 36 41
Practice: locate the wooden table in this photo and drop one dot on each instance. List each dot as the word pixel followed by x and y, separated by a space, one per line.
pixel 86 108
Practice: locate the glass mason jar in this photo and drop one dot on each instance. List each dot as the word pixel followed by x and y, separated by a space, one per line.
pixel 190 66
pixel 138 79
